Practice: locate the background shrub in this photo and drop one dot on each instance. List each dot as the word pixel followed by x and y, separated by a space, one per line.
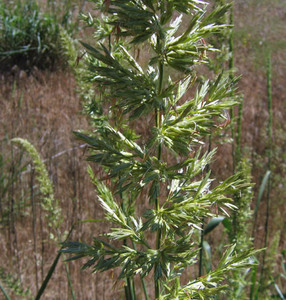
pixel 30 37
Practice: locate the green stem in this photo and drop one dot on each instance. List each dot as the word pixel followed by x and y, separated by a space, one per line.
pixel 144 288
pixel 141 277
pixel 238 133
pixel 69 281
pixel 157 204
pixel 269 154
pixel 157 112
pixel 4 292
pixel 203 219
pixel 231 60
pixel 130 288
pixel 240 107
pixel 270 119
pixel 231 76
pixel 201 249
pixel 51 270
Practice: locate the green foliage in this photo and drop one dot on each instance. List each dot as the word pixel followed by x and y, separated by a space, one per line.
pixel 269 266
pixel 48 203
pixel 13 285
pixel 168 163
pixel 261 191
pixel 10 169
pixel 257 42
pixel 30 37
pixel 239 231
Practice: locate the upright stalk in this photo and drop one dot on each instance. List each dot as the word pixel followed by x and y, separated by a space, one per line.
pixel 201 248
pixel 158 113
pixel 4 292
pixel 34 228
pixel 129 288
pixel 235 130
pixel 157 204
pixel 128 156
pixel 231 60
pixel 230 66
pixel 238 133
pixel 203 220
pixel 269 154
pixel 237 158
pixel 270 119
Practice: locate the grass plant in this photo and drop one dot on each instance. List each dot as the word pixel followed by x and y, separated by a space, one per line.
pixel 42 107
pixel 168 163
pixel 30 37
pixel 12 284
pixel 30 109
pixel 50 206
pixel 269 159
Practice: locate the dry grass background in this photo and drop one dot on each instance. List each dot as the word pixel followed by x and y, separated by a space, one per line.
pixel 44 108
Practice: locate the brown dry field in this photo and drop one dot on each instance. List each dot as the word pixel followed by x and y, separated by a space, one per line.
pixel 44 108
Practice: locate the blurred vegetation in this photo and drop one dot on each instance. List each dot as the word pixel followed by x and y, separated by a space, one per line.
pixel 260 29
pixel 30 37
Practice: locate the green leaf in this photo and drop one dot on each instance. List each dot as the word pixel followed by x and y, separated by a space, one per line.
pixel 261 190
pixel 208 256
pixel 92 221
pixel 131 60
pixel 279 291
pixel 214 222
pixel 227 224
pixel 4 292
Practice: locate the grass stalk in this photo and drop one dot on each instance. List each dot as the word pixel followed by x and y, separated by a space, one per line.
pixel 157 204
pixel 172 172
pixel 238 133
pixel 236 125
pixel 270 119
pixel 42 243
pixel 259 197
pixel 4 292
pixel 201 248
pixel 34 227
pixel 48 277
pixel 144 288
pixel 203 221
pixel 141 278
pixel 13 213
pixel 129 288
pixel 69 281
pixel 51 270
pixel 231 76
pixel 269 154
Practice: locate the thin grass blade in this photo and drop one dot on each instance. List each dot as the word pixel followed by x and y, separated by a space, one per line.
pixel 279 291
pixel 48 277
pixel 51 271
pixel 261 191
pixel 4 292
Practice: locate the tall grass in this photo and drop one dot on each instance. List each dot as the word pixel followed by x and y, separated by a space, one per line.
pixel 30 37
pixel 51 208
pixel 269 159
pixel 167 164
pixel 30 105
